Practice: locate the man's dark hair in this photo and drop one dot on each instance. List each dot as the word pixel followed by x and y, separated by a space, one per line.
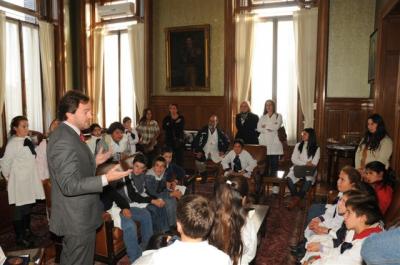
pixel 195 215
pixel 159 159
pixel 126 119
pixel 70 103
pixel 94 126
pixel 166 149
pixel 115 126
pixel 140 158
pixel 238 141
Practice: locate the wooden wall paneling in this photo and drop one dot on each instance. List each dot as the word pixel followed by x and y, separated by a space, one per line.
pixel 321 74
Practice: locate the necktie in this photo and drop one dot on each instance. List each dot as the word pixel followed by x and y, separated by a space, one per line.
pixel 345 246
pixel 29 144
pixel 340 235
pixel 129 187
pixel 212 130
pixel 81 137
pixel 237 165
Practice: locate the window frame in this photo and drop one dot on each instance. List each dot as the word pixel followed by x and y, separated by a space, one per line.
pixel 118 33
pixel 5 126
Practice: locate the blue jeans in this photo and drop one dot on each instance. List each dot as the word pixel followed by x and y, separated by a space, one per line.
pixel 382 248
pixel 159 217
pixel 170 206
pixel 129 229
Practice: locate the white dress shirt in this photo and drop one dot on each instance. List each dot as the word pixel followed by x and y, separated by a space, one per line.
pixel 196 253
pixel 246 160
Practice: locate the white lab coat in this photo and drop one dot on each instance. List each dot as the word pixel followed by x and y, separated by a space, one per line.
pixel 301 159
pixel 20 170
pixel 269 134
pixel 132 142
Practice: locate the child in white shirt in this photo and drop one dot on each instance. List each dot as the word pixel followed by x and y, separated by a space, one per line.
pixel 195 218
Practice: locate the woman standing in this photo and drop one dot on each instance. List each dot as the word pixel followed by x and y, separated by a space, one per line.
pixel 173 125
pixel 148 131
pixel 268 126
pixel 375 146
pixel 23 183
pixel 246 124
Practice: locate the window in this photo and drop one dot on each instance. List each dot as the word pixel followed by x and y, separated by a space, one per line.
pixel 23 93
pixel 118 82
pixel 273 72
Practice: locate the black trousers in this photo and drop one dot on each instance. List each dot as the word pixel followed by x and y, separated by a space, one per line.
pixel 78 249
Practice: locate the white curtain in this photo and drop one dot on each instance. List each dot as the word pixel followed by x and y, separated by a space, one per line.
pixel 244 54
pixel 33 83
pixel 97 91
pixel 136 43
pixel 46 38
pixel 305 28
pixel 2 68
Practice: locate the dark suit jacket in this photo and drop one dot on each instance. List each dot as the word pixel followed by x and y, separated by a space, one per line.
pixel 201 140
pixel 247 131
pixel 75 202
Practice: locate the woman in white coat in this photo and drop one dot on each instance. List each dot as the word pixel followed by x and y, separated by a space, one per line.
pixel 305 156
pixel 23 183
pixel 268 126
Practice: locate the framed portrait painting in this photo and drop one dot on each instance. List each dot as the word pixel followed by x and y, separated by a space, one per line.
pixel 188 58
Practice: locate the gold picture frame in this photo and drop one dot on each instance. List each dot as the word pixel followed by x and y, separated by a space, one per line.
pixel 188 58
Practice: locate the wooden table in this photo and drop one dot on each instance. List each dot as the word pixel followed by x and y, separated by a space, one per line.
pixel 280 180
pixel 259 217
pixel 335 153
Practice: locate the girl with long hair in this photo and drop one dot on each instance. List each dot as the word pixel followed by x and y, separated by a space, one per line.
pixel 148 131
pixel 305 156
pixel 376 144
pixel 24 187
pixel 383 181
pixel 268 126
pixel 232 231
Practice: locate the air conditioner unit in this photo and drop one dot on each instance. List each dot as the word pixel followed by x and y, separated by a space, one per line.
pixel 117 10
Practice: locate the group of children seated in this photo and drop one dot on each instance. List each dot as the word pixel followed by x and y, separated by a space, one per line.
pixel 335 232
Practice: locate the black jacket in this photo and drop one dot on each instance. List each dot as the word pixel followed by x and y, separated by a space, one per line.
pixel 201 139
pixel 247 131
pixel 110 195
pixel 173 129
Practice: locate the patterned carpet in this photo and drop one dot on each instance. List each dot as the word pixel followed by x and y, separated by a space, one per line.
pixel 282 230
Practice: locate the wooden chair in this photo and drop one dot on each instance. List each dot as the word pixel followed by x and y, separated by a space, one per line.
pixel 259 153
pixel 56 239
pixel 110 245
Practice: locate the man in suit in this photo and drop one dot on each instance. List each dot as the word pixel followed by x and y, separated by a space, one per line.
pixel 76 207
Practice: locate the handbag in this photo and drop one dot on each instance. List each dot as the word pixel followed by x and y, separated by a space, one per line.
pixel 282 134
pixel 304 171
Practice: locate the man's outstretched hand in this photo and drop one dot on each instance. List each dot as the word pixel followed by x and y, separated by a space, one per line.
pixel 115 173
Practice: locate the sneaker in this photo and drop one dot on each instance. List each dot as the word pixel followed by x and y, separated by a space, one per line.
pixel 275 190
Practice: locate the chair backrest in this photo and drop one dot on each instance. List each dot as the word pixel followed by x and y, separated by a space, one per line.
pixel 258 152
pixel 393 213
pixel 47 194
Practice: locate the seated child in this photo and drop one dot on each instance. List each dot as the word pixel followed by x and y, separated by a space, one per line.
pixel 383 181
pixel 238 162
pixel 133 188
pixel 124 217
pixel 362 216
pixel 157 186
pixel 318 244
pixel 195 218
pixel 95 132
pixel 116 141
